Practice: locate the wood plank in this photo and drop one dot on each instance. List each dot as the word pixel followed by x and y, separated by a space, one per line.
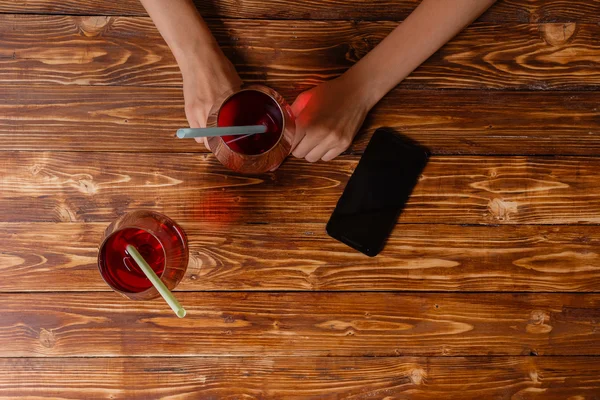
pixel 490 122
pixel 544 378
pixel 502 11
pixel 84 118
pixel 302 257
pixel 300 324
pixel 447 122
pixel 69 187
pixel 293 54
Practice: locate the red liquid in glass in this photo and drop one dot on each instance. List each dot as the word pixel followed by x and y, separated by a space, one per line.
pixel 250 107
pixel 120 270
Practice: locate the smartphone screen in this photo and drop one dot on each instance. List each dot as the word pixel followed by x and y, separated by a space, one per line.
pixel 377 192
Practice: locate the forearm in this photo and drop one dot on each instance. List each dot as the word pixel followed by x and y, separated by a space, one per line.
pixel 184 31
pixel 429 27
pixel 207 73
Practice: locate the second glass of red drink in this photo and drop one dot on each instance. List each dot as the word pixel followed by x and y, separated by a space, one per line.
pixel 258 153
pixel 158 239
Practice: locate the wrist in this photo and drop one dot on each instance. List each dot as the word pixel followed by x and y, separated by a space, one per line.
pixel 208 64
pixel 197 57
pixel 366 94
pixel 208 76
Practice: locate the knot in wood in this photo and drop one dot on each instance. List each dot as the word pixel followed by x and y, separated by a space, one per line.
pixel 533 375
pixel 357 49
pixel 538 317
pixel 64 213
pixel 47 338
pixel 417 375
pixel 539 322
pixel 94 26
pixel 501 210
pixel 229 319
pixel 558 34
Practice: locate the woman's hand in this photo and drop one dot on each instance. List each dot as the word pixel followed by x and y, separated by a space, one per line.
pixel 328 117
pixel 203 84
pixel 207 73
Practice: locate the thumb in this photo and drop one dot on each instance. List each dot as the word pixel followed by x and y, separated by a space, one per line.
pixel 197 120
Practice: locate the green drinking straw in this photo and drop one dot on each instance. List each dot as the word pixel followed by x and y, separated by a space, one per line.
pixel 158 284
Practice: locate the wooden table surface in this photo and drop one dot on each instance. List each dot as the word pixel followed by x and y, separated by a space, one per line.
pixel 489 287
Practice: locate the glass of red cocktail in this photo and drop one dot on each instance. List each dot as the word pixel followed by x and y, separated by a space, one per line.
pixel 159 240
pixel 257 153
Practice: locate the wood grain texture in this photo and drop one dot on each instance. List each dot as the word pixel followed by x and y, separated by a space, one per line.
pixel 302 257
pixel 276 308
pixel 502 11
pixel 294 54
pixel 136 119
pixel 84 118
pixel 300 324
pixel 70 187
pixel 490 122
pixel 415 378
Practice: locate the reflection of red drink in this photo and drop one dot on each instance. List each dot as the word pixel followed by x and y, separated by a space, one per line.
pixel 251 107
pixel 160 241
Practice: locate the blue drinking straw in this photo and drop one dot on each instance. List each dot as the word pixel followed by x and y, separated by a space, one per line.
pixel 185 133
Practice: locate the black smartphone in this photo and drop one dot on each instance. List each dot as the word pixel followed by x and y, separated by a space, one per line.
pixel 377 192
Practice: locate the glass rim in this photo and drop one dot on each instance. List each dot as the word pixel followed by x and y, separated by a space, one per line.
pixel 124 292
pixel 259 89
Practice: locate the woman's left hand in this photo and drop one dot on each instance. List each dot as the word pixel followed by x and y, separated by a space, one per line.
pixel 328 117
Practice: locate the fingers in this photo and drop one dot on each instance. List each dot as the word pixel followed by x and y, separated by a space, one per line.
pixel 333 153
pixel 196 119
pixel 298 136
pixel 204 141
pixel 306 145
pixel 326 147
pixel 315 154
pixel 322 131
pixel 325 153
